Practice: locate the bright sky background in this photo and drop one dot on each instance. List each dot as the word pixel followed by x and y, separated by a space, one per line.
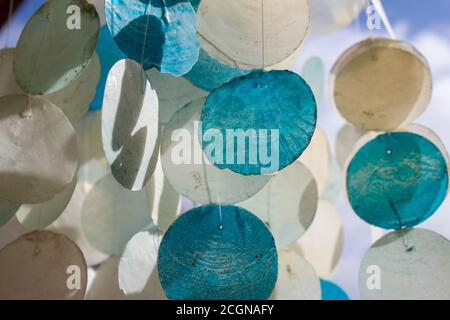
pixel 425 24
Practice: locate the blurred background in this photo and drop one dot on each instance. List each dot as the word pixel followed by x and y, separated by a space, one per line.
pixel 424 24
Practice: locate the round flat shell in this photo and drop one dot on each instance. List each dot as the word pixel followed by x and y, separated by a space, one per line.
pixel 322 244
pixel 106 284
pixel 155 33
pixel 252 34
pixel 111 215
pixel 259 123
pixel 287 204
pixel 130 127
pixel 406 264
pixel 56 45
pixel 42 265
pixel 397 180
pixel 69 222
pixel 39 149
pixel 297 279
pixel 229 259
pixel 381 84
pixel 138 274
pixel 188 170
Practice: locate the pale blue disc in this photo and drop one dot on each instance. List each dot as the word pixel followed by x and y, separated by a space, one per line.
pixel 397 180
pixel 209 74
pixel 277 112
pixel 331 291
pixel 204 258
pixel 155 33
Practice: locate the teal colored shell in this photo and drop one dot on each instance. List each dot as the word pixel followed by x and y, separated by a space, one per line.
pixel 202 258
pixel 108 54
pixel 277 101
pixel 209 74
pixel 397 180
pixel 155 33
pixel 331 291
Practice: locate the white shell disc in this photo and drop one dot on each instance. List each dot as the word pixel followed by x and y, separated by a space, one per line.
pixel 297 279
pixel 69 223
pixel 39 149
pixel 252 34
pixel 188 170
pixel 287 204
pixel 163 201
pixel 322 244
pixel 130 127
pixel 112 215
pixel 406 264
pixel 42 265
pixel 138 271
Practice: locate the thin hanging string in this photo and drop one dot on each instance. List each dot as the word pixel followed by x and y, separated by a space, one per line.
pixel 378 5
pixel 144 76
pixel 263 35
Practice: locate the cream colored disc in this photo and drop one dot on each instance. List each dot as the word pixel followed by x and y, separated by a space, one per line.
pixel 39 149
pixel 69 222
pixel 188 170
pixel 287 204
pixel 406 264
pixel 323 242
pixel 42 265
pixel 163 201
pixel 138 272
pixel 317 157
pixel 381 84
pixel 112 215
pixel 297 279
pixel 252 34
pixel 106 284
